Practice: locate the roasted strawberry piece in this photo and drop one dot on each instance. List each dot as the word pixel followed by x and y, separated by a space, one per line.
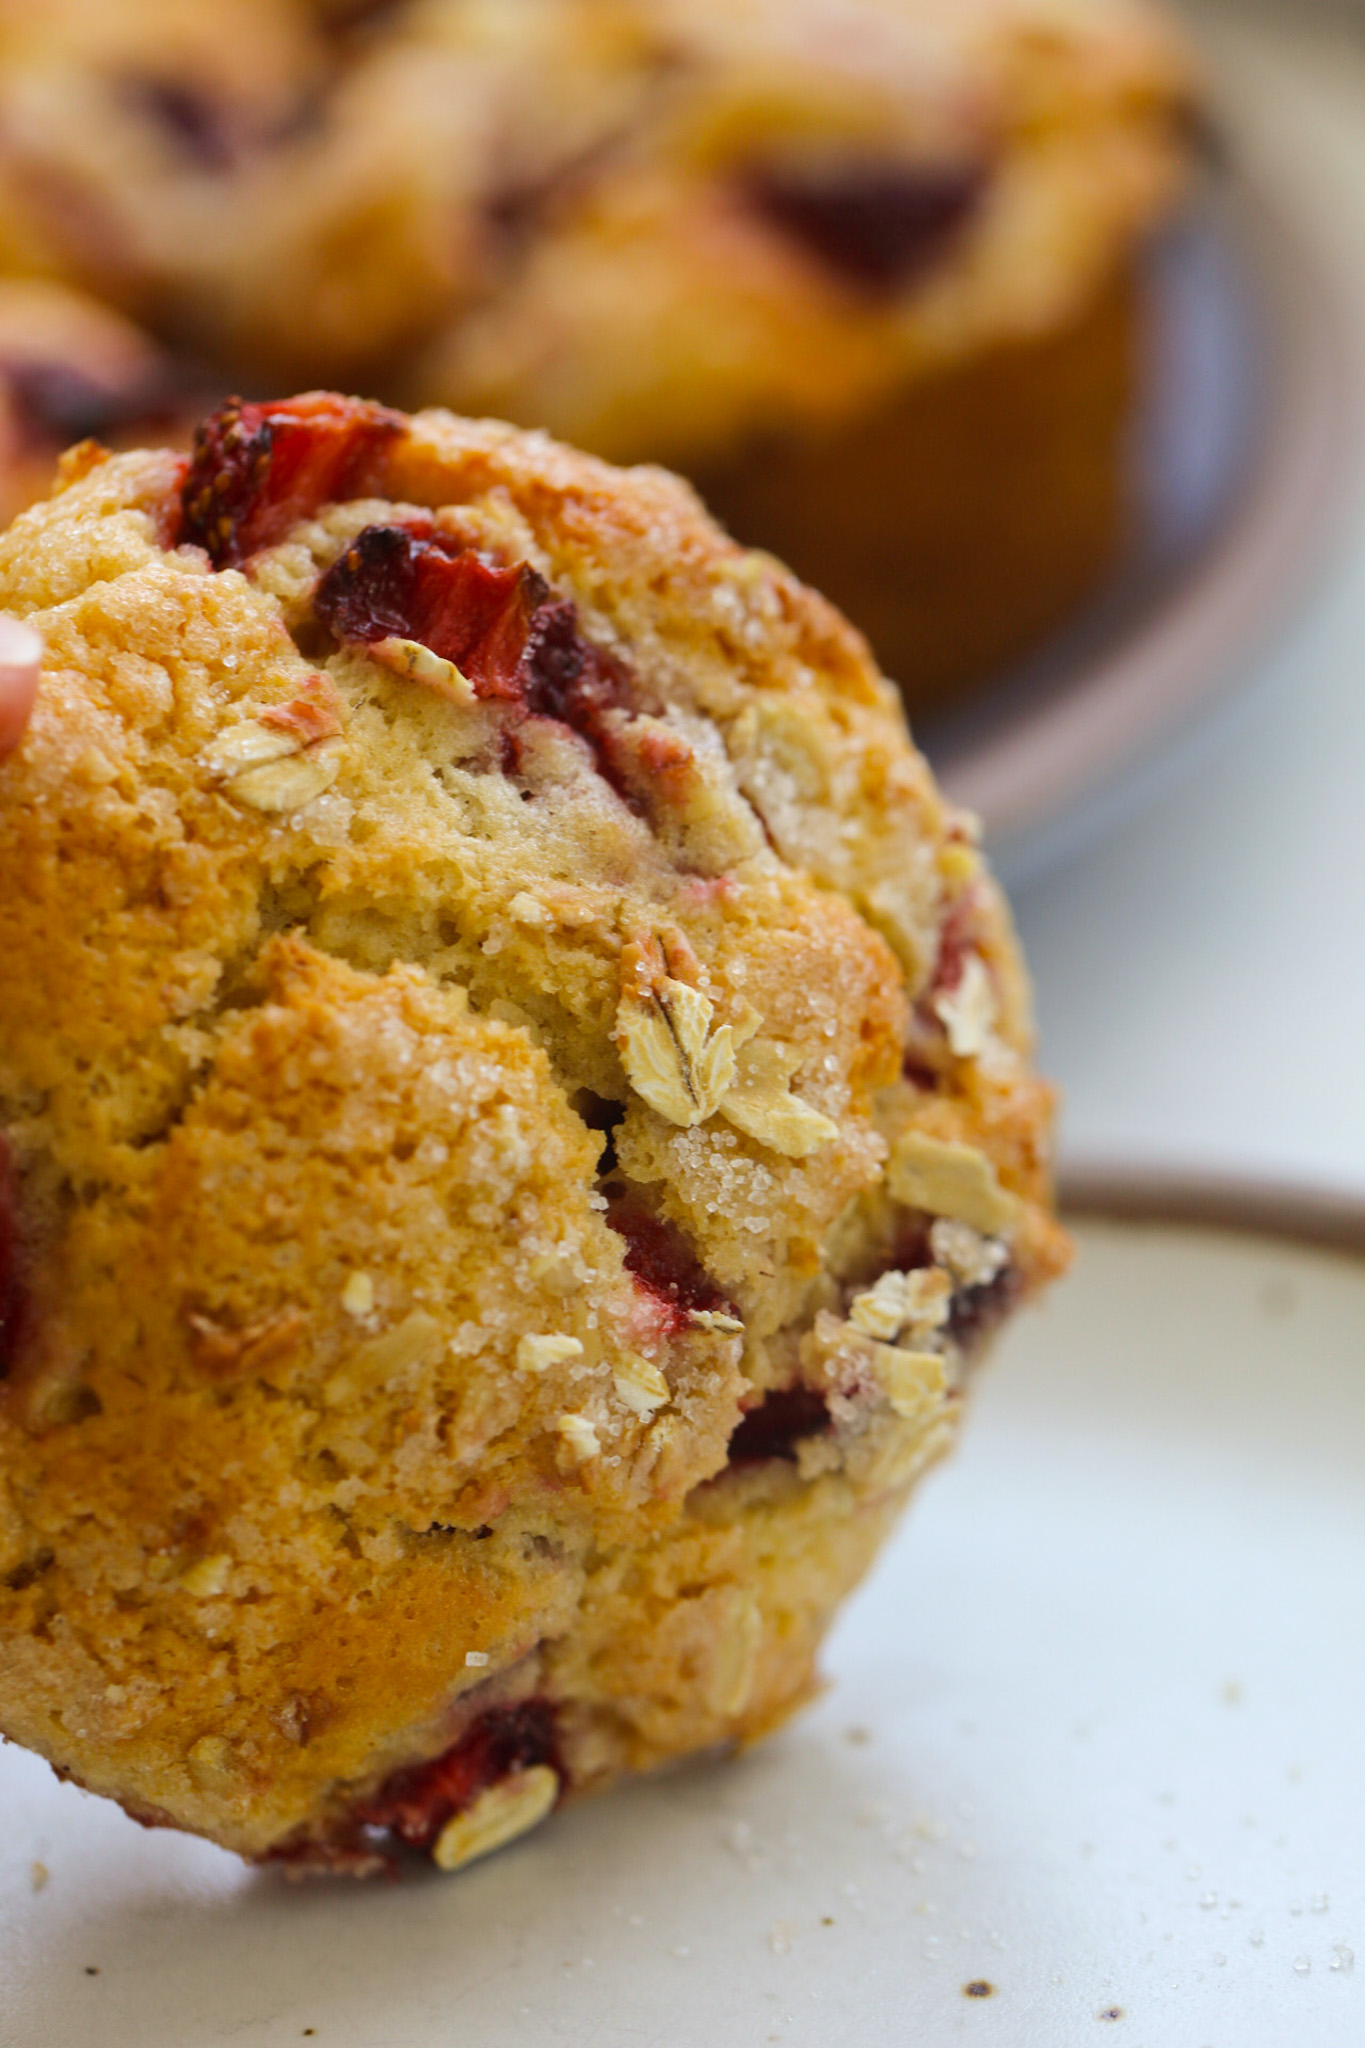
pixel 60 403
pixel 662 1261
pixel 311 716
pixel 882 225
pixel 415 583
pixel 570 679
pixel 976 1311
pixel 957 940
pixel 920 1072
pixel 198 128
pixel 258 469
pixel 502 628
pixel 416 1804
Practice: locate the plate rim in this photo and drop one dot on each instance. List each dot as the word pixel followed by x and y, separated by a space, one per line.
pixel 1264 1205
pixel 1043 764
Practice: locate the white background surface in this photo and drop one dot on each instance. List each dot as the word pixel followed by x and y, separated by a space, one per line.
pixel 1201 969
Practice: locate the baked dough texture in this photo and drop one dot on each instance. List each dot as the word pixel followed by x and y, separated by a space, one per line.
pixel 517 1117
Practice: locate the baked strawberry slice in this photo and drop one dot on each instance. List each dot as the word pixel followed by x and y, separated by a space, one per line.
pixel 502 629
pixel 782 1419
pixel 416 1804
pixel 414 583
pixel 662 1262
pixel 257 470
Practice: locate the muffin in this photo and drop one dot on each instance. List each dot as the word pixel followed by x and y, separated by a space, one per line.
pixel 70 368
pixel 289 189
pixel 868 274
pixel 517 1122
pixel 864 269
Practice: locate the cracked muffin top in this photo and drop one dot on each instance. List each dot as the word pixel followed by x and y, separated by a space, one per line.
pixel 647 225
pixel 490 992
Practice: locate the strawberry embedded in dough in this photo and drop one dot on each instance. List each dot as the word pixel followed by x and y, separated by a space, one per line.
pixel 977 1311
pixel 777 1424
pixel 661 1261
pixel 415 1804
pixel 415 583
pixel 257 470
pixel 511 639
pixel 880 225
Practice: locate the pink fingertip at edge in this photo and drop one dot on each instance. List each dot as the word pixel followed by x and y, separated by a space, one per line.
pixel 21 661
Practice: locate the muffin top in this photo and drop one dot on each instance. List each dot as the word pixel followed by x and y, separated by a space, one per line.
pixel 491 995
pixel 648 225
pixel 808 206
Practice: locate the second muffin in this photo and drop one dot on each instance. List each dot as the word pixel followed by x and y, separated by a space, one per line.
pixel 862 268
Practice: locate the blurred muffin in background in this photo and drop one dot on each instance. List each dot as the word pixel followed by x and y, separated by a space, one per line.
pixel 864 269
pixel 294 189
pixel 70 370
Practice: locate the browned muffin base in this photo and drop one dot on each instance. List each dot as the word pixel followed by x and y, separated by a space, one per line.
pixel 959 526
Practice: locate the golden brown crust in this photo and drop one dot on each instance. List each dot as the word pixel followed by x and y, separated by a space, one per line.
pixel 352 1393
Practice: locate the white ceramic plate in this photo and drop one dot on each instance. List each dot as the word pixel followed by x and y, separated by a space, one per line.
pixel 1093 1739
pixel 1250 443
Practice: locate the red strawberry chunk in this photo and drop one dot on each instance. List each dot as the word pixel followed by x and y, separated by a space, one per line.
pixel 311 716
pixel 662 1261
pixel 503 628
pixel 880 225
pixel 416 1804
pixel 258 469
pixel 412 583
pixel 778 1423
